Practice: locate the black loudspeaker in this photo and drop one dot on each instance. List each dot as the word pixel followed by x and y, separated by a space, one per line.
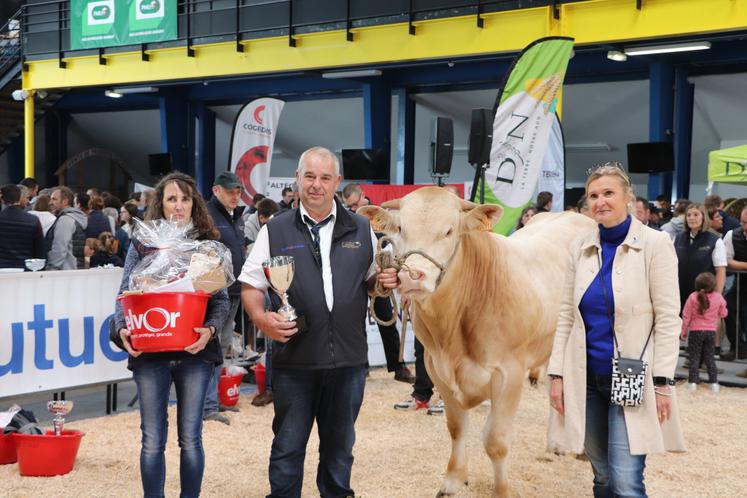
pixel 443 146
pixel 159 164
pixel 480 136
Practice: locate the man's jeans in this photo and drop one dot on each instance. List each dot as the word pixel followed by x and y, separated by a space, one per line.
pixel 153 379
pixel 333 397
pixel 617 473
pixel 225 336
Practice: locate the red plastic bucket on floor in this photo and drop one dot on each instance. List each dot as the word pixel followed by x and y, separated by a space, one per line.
pixel 164 321
pixel 260 375
pixel 229 388
pixel 47 454
pixel 7 449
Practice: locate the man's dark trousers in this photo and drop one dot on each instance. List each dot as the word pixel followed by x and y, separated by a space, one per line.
pixel 331 396
pixel 389 334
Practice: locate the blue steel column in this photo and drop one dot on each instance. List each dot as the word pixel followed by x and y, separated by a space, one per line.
pixel 205 149
pixel 684 95
pixel 377 115
pixel 405 172
pixel 660 121
pixel 16 161
pixel 55 143
pixel 175 126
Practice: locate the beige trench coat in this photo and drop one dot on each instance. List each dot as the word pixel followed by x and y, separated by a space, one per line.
pixel 646 292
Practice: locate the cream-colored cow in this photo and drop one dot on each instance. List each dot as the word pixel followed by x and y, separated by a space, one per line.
pixel 488 317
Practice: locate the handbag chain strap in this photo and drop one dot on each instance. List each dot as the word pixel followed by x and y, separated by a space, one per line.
pixel 609 313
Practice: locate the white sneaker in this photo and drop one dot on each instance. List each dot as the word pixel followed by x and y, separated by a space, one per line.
pixel 411 403
pixel 692 386
pixel 714 387
pixel 436 408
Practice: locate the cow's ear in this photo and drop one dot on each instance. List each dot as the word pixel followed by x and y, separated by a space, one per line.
pixel 381 219
pixel 482 217
pixel 392 204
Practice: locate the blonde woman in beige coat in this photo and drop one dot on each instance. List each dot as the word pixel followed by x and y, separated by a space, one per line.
pixel 622 276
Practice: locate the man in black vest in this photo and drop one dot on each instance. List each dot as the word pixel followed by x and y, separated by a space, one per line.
pixel 21 235
pixel 226 213
pixel 319 361
pixel 66 238
pixel 736 258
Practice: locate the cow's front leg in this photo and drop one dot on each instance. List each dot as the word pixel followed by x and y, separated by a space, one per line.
pixel 456 471
pixel 505 390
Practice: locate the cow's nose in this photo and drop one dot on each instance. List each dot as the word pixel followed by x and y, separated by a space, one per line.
pixel 410 280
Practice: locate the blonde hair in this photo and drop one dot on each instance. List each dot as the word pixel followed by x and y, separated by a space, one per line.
pixel 613 169
pixel 706 225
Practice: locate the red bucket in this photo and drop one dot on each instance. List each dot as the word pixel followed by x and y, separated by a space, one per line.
pixel 164 321
pixel 7 449
pixel 47 454
pixel 260 376
pixel 229 388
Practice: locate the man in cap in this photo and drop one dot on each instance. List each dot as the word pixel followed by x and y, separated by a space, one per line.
pixel 226 213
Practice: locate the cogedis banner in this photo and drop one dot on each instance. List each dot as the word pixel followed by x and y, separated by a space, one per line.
pixel 54 330
pixel 106 23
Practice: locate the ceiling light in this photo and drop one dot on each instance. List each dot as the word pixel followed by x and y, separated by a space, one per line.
pixel 135 89
pixel 616 55
pixel 362 73
pixel 664 49
pixel 113 94
pixel 590 147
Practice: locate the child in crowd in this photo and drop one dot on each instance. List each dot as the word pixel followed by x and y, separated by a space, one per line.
pixel 106 253
pixel 700 317
pixel 89 249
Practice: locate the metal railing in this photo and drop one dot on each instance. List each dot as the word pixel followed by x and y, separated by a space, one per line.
pixel 46 25
pixel 10 43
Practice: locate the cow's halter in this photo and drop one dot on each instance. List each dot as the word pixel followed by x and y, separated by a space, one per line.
pixel 386 259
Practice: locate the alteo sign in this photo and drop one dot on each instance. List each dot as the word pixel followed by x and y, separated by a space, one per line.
pixel 107 23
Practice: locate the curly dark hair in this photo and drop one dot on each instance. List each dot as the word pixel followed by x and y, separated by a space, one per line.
pixel 203 224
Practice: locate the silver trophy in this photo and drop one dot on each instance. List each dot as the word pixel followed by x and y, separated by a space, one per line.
pixel 279 272
pixel 59 409
pixel 35 264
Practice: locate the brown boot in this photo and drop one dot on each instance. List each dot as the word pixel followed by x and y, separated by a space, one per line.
pixel 262 399
pixel 403 374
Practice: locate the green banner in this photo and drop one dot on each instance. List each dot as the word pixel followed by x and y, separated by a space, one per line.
pixel 728 165
pixel 524 117
pixel 108 23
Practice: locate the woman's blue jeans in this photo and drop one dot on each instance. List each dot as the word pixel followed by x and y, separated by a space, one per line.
pixel 153 379
pixel 617 473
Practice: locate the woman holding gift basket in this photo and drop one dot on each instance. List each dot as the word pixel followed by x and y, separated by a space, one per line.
pixel 171 250
pixel 616 343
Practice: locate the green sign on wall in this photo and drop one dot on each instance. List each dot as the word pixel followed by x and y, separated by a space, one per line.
pixel 107 23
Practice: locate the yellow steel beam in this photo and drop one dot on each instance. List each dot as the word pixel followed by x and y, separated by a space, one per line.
pixel 28 135
pixel 588 22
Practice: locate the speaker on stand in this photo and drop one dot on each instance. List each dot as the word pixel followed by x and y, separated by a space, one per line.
pixel 480 141
pixel 443 149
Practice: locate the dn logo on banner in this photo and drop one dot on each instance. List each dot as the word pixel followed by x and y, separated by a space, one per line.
pixel 101 12
pixel 149 9
pixel 153 320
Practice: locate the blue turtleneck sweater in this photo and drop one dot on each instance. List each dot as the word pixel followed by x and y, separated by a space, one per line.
pixel 600 346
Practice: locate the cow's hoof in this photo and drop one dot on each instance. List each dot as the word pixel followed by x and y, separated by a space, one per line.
pixel 442 494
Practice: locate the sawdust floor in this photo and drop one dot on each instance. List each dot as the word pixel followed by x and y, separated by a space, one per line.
pixel 404 454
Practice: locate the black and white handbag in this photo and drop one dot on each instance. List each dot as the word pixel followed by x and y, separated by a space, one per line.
pixel 628 374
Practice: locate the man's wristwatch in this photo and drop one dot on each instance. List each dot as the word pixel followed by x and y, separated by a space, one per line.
pixel 663 381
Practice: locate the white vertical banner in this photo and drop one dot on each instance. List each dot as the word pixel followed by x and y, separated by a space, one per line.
pixel 252 142
pixel 552 176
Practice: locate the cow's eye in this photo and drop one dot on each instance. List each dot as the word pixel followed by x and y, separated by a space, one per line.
pixel 449 232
